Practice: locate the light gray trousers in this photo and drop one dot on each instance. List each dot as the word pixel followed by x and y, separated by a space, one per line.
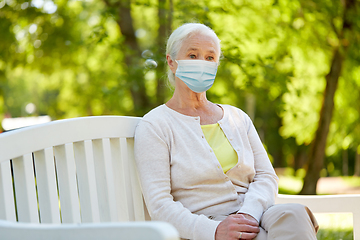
pixel 288 221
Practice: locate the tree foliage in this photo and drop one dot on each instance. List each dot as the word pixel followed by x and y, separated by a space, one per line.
pixel 77 58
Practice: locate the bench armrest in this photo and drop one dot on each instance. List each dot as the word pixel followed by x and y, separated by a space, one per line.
pixel 89 231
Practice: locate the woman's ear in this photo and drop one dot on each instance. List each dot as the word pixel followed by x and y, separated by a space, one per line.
pixel 172 64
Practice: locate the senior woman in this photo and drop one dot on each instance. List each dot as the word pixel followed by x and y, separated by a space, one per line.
pixel 202 165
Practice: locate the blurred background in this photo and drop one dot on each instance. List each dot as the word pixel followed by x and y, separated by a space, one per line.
pixel 292 65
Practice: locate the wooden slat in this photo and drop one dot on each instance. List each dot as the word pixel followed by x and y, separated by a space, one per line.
pixel 356 223
pixel 127 176
pixel 68 191
pixel 119 180
pixel 34 138
pixel 84 159
pixel 90 231
pixel 135 183
pixel 105 180
pixel 334 203
pixel 46 186
pixel 25 192
pixel 329 204
pixel 7 205
pixel 110 179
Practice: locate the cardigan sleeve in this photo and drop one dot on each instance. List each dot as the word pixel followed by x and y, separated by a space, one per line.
pixel 264 187
pixel 153 161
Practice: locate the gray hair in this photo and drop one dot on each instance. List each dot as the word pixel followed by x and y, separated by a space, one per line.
pixel 182 33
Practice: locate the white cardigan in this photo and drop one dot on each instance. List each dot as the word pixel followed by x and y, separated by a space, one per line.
pixel 182 180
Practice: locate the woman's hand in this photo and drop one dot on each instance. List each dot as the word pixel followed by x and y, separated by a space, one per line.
pixel 234 224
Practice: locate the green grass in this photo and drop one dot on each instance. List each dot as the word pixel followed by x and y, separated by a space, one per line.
pixel 289 185
pixel 335 226
pixel 329 234
pixel 352 181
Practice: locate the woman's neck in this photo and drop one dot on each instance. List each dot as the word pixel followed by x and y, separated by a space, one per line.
pixel 188 99
pixel 194 104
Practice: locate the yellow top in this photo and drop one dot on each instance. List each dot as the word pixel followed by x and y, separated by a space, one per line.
pixel 223 150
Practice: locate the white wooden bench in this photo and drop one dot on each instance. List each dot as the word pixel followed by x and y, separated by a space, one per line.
pixel 78 172
pixel 329 204
pixel 76 179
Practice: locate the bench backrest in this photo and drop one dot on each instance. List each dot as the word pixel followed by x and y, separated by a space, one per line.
pixel 71 171
pixel 329 204
pixel 83 170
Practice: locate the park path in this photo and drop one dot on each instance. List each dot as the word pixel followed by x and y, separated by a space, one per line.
pixel 335 185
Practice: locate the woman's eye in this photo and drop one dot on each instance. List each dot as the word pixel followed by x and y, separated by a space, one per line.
pixel 192 56
pixel 210 58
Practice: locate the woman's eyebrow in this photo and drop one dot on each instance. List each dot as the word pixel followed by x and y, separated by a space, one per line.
pixel 195 49
pixel 192 49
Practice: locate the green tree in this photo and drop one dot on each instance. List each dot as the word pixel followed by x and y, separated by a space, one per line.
pixel 345 35
pixel 76 58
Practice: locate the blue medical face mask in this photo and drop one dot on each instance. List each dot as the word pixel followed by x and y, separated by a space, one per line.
pixel 198 75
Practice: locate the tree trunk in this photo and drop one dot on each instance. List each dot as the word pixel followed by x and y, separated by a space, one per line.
pixel 277 146
pixel 132 56
pixel 317 152
pixel 300 157
pixel 132 53
pixel 170 18
pixel 345 162
pixel 161 43
pixel 357 162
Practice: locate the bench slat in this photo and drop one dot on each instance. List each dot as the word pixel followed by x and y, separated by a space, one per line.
pixel 89 231
pixel 84 159
pixel 29 139
pixel 356 223
pixel 105 180
pixel 7 205
pixel 118 158
pixel 46 186
pixel 135 182
pixel 68 190
pixel 124 153
pixel 110 179
pixel 25 192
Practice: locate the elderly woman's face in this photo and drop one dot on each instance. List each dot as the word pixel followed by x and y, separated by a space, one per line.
pixel 196 47
pixel 199 47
